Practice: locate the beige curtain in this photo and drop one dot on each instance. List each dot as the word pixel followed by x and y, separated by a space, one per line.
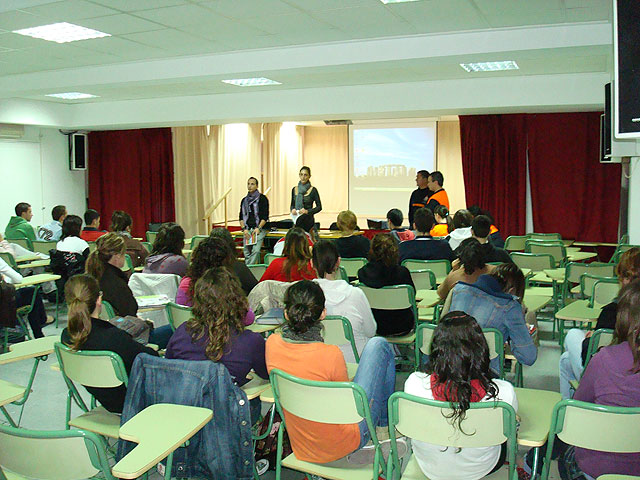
pixel 282 159
pixel 326 152
pixel 450 162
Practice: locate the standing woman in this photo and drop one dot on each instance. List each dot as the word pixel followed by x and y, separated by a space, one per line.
pixel 254 214
pixel 304 195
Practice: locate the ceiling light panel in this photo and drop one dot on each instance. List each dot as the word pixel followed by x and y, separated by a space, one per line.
pixel 490 66
pixel 72 95
pixel 251 82
pixel 62 32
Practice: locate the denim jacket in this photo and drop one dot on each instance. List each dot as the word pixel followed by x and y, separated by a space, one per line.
pixel 223 449
pixel 485 301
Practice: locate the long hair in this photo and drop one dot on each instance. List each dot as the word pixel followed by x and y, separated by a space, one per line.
pixel 219 308
pixel 81 293
pixel 170 239
pixel 303 303
pixel 120 220
pixel 384 249
pixel 628 268
pixel 471 255
pixel 210 252
pixel 628 321
pixel 296 252
pixel 107 246
pixel 443 212
pixel 460 354
pixel 510 278
pixel 325 257
pixel 224 234
pixel 71 226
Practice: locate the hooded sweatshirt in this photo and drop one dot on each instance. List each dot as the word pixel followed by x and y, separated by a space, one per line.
pixel 18 227
pixel 349 302
pixel 166 263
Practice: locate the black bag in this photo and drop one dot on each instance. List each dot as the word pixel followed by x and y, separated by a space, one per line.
pixel 267 448
pixel 7 305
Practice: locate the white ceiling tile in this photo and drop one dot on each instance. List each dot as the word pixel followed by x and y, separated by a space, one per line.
pixel 173 40
pixel 506 13
pixel 121 24
pixel 111 45
pixel 221 29
pixel 589 14
pixel 15 41
pixel 7 5
pixel 366 22
pixel 429 17
pixel 249 8
pixel 70 11
pixel 17 20
pixel 313 36
pixel 178 16
pixel 290 23
pixel 260 41
pixel 320 5
pixel 133 5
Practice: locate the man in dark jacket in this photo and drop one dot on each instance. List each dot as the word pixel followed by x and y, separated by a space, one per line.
pixel 420 195
pixel 480 230
pixel 424 246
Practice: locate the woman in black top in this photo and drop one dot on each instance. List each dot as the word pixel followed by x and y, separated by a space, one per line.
pixel 351 245
pixel 382 271
pixel 85 331
pixel 304 195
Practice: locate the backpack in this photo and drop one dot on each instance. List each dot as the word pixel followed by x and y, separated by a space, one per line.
pixel 7 305
pixel 266 449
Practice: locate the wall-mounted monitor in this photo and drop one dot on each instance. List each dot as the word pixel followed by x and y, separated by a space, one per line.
pixel 626 51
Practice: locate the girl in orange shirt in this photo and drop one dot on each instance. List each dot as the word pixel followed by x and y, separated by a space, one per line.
pixel 443 222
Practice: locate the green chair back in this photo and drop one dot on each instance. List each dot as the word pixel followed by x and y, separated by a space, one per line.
pixel 544 236
pixel 588 280
pixel 440 268
pixel 270 257
pixel 604 291
pixel 151 237
pixel 92 246
pixel 485 424
pixel 594 427
pixel 177 314
pixel 534 261
pixel 515 243
pixel 128 263
pixel 148 246
pixel 556 249
pixel 40 246
pixel 395 297
pixel 257 269
pixel 352 265
pixel 599 338
pixel 575 270
pixel 337 330
pixel 102 369
pixel 615 258
pixel 423 279
pixel 196 239
pixel 7 257
pixel 343 274
pixel 52 455
pixel 23 242
pixel 107 312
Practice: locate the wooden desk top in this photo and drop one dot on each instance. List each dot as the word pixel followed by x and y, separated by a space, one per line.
pixel 36 264
pixel 29 349
pixel 36 280
pixel 27 258
pixel 535 408
pixel 594 244
pixel 254 387
pixel 159 429
pixel 555 274
pixel 579 311
pixel 10 392
pixel 427 298
pixel 580 256
pixel 541 291
pixel 259 328
pixel 536 302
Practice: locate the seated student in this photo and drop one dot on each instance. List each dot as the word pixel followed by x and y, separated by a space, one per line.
pixel 71 253
pixel 37 317
pixel 296 263
pixel 576 342
pixel 86 331
pixel 90 232
pixel 18 226
pixel 350 245
pixel 105 264
pixel 398 233
pixel 247 279
pixel 300 350
pixel 458 371
pixel 495 301
pixel 53 231
pixel 443 224
pixel 480 228
pixel 16 250
pixel 121 223
pixel 216 331
pixel 342 298
pixel 306 223
pixel 467 268
pixel 71 241
pixel 424 246
pixel 461 228
pixel 495 236
pixel 383 270
pixel 166 254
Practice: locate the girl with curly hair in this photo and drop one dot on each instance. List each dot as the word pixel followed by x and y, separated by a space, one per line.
pixel 295 264
pixel 216 331
pixel 458 371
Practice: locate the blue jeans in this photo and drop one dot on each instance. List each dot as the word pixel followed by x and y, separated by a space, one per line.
pixel 570 364
pixel 161 336
pixel 252 252
pixel 377 376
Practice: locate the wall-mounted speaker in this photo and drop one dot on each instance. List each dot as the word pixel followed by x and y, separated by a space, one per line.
pixel 78 151
pixel 613 150
pixel 626 51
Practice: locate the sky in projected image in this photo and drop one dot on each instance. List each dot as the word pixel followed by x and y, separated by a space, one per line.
pixel 374 149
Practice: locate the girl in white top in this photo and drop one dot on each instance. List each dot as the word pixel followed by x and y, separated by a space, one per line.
pixel 459 351
pixel 343 299
pixel 71 241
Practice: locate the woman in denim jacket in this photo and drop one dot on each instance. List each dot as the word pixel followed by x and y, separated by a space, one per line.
pixel 494 300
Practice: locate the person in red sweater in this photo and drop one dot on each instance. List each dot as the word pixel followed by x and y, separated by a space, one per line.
pixel 296 263
pixel 90 232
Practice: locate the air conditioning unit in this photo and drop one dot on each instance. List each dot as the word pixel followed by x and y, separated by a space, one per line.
pixel 11 131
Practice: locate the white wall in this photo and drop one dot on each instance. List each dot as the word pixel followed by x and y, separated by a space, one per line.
pixel 634 202
pixel 36 170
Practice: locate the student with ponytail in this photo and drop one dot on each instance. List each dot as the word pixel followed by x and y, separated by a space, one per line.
pixel 86 331
pixel 444 224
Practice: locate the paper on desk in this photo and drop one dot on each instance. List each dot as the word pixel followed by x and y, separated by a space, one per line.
pixel 152 300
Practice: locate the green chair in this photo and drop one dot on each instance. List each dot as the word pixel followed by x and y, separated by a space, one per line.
pixel 587 281
pixel 196 239
pixel 485 424
pixel 324 402
pixel 440 268
pixel 536 262
pixel 599 338
pixel 544 236
pixel 337 330
pixel 352 265
pixel 101 369
pixel 177 314
pixel 343 274
pixel 107 312
pixel 615 258
pixel 423 279
pixel 257 269
pixel 594 427
pixel 148 246
pixel 23 242
pixel 574 272
pixel 9 259
pixel 395 297
pixel 270 257
pixel 151 237
pixel 41 246
pixel 24 311
pixel 128 263
pixel 604 291
pixel 554 248
pixel 515 243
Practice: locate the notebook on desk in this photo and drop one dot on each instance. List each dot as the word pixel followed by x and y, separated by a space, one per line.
pixel 273 316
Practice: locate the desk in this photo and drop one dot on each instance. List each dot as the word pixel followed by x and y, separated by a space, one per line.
pixel 259 328
pixel 158 430
pixel 38 347
pixel 556 274
pixel 36 264
pixel 27 258
pixel 37 280
pixel 536 302
pixel 579 311
pixel 10 392
pixel 255 386
pixel 427 298
pixel 326 234
pixel 580 256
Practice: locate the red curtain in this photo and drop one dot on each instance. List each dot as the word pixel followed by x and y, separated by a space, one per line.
pixel 494 167
pixel 571 192
pixel 132 170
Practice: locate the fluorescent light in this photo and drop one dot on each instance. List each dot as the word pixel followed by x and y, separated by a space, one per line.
pixel 62 32
pixel 490 66
pixel 251 82
pixel 397 1
pixel 71 95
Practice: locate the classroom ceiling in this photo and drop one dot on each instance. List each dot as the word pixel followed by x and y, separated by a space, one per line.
pixel 173 48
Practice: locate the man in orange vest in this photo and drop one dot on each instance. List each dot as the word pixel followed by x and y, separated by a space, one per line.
pixel 439 197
